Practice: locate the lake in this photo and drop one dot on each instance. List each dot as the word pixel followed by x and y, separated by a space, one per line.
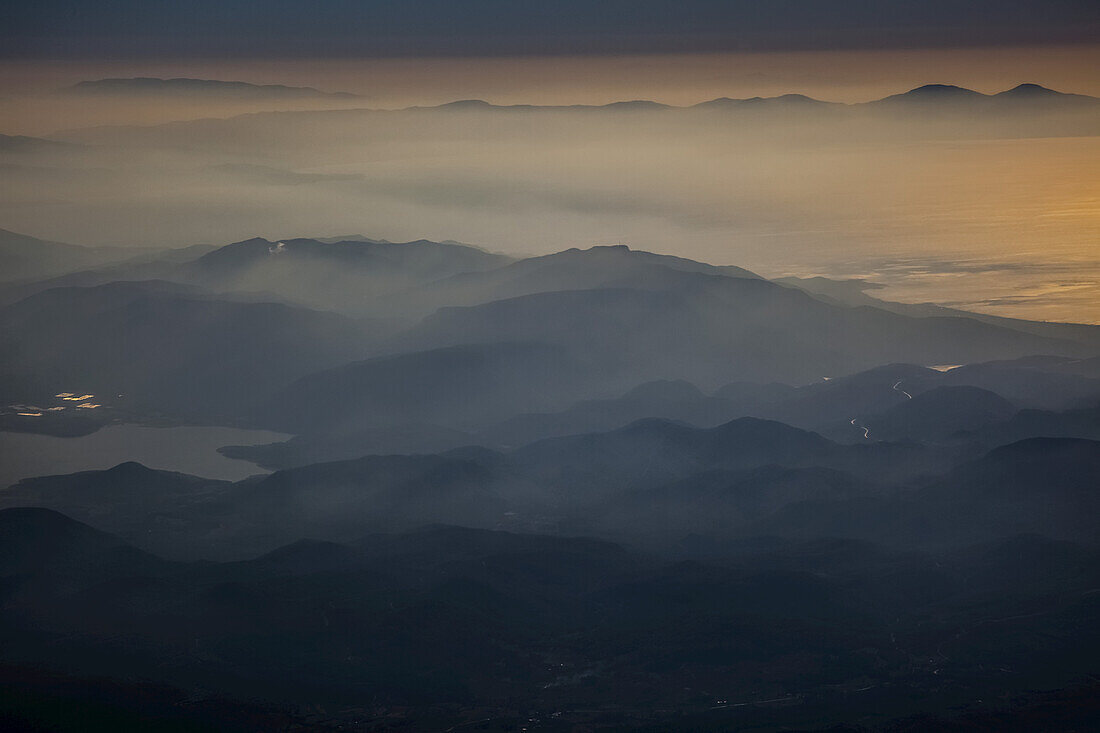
pixel 186 449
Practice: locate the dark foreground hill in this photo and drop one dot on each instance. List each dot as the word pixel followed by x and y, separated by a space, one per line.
pixel 444 626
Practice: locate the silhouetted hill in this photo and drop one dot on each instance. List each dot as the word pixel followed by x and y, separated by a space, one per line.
pixel 1032 91
pixel 45 554
pixel 1055 365
pixel 939 414
pixel 34 539
pixel 151 86
pixel 658 450
pixel 356 275
pixel 1028 386
pixel 927 94
pixel 1039 486
pixel 353 276
pixel 674 400
pixel 141 505
pixel 1032 560
pixel 481 106
pixel 185 516
pixel 558 484
pixel 840 407
pixel 610 266
pixel 303 145
pixel 785 102
pixel 837 400
pixel 934 93
pixel 664 319
pixel 24 258
pixel 654 478
pixel 1022 97
pixel 1083 423
pixel 458 386
pixel 135 266
pixel 722 503
pixel 712 330
pixel 1035 467
pixel 345 499
pixel 853 293
pixel 670 399
pixel 648 453
pixel 423 259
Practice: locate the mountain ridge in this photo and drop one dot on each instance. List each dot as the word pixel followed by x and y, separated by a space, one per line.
pixel 143 85
pixel 1022 98
pixel 927 92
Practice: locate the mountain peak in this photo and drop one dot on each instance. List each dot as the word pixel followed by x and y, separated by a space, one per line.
pixel 359 251
pixel 466 104
pixel 1029 89
pixel 943 89
pixel 938 91
pixel 1028 92
pixel 635 104
pixel 783 100
pixel 130 470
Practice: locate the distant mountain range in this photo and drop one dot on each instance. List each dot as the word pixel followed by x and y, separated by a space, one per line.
pixel 929 112
pixel 453 337
pixel 944 95
pixel 151 86
pixel 745 478
pixel 957 408
pixel 949 94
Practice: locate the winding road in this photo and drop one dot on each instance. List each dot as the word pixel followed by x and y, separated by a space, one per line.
pixel 865 429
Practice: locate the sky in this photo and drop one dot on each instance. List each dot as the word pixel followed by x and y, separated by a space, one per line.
pixel 360 28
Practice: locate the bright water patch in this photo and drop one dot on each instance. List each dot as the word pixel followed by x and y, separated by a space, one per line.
pixel 186 449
